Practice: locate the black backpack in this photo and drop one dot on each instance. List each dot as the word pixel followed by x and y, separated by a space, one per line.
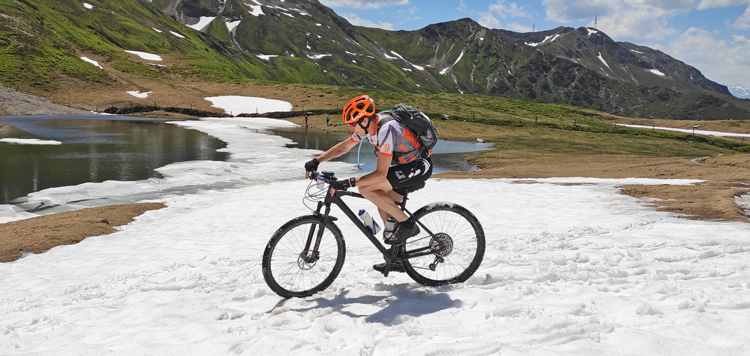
pixel 419 124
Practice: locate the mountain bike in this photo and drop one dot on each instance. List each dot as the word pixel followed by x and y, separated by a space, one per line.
pixel 305 255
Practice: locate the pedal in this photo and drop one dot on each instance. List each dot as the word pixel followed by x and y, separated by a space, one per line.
pixel 394 252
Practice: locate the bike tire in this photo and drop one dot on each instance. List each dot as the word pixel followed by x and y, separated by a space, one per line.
pixel 458 239
pixel 286 271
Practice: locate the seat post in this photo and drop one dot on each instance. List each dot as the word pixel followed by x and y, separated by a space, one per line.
pixel 402 204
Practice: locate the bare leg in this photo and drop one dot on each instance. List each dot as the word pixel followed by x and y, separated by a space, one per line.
pixel 397 198
pixel 383 196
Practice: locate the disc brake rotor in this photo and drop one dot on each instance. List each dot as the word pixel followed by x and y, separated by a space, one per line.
pixel 307 260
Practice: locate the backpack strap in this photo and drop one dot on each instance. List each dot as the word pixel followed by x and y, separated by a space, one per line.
pixel 388 116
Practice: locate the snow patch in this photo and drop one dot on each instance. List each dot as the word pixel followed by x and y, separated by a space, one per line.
pixel 319 56
pixel 30 141
pixel 146 56
pixel 86 59
pixel 603 61
pixel 255 10
pixel 177 34
pixel 454 63
pixel 690 131
pixel 88 6
pixel 552 37
pixel 138 94
pixel 266 57
pixel 202 23
pixel 232 25
pixel 236 105
pixel 157 30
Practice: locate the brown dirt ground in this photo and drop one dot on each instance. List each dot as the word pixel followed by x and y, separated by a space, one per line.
pixel 42 233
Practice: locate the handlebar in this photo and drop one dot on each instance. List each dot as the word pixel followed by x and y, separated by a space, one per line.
pixel 325 177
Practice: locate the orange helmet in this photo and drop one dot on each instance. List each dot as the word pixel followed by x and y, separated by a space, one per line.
pixel 357 108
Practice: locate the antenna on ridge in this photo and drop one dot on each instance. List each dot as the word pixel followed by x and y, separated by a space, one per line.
pixel 596 19
pixel 533 28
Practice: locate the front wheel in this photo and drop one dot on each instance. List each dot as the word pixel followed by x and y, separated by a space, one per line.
pixel 292 267
pixel 454 250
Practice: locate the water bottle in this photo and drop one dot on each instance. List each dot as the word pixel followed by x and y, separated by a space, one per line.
pixel 390 227
pixel 367 219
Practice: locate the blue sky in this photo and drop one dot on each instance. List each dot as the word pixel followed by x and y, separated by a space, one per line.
pixel 711 35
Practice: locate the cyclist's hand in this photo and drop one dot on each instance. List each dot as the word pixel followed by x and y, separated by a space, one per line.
pixel 311 165
pixel 341 184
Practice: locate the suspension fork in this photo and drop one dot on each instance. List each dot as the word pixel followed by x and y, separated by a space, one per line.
pixel 313 254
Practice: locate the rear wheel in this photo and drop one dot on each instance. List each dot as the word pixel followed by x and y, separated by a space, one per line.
pixel 291 270
pixel 452 253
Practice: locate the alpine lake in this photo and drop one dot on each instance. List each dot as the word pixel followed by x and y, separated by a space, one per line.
pixel 98 148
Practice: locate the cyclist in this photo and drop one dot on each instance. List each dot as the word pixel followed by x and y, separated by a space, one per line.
pixel 399 164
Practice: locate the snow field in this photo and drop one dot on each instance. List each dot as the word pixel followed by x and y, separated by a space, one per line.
pixel 571 267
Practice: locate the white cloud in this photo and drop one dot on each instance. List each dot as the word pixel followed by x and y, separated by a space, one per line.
pixel 357 21
pixel 621 18
pixel 516 27
pixel 743 22
pixel 642 23
pixel 710 4
pixel 462 7
pixel 499 8
pixel 565 11
pixel 508 10
pixel 719 60
pixel 363 5
pixel 487 20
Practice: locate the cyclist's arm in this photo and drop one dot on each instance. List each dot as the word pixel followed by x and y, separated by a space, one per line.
pixel 338 150
pixel 380 174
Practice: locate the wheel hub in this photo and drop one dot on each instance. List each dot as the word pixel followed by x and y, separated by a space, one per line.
pixel 307 260
pixel 441 244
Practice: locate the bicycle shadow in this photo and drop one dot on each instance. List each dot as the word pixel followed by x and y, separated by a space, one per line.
pixel 402 301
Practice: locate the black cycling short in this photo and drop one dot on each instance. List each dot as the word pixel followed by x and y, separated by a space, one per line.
pixel 407 175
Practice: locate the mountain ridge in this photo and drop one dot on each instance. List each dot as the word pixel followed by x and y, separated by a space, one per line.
pixel 296 41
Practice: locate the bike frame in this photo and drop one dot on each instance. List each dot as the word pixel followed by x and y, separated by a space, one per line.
pixel 391 255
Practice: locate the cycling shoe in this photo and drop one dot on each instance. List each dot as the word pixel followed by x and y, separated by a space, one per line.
pixel 395 267
pixel 402 233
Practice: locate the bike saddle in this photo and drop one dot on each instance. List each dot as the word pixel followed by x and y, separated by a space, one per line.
pixel 410 189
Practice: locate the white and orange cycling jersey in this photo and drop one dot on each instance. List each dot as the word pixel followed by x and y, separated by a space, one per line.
pixel 392 139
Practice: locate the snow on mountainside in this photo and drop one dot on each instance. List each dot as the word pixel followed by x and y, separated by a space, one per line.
pixel 740 91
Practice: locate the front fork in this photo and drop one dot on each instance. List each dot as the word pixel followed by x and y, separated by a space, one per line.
pixel 310 253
